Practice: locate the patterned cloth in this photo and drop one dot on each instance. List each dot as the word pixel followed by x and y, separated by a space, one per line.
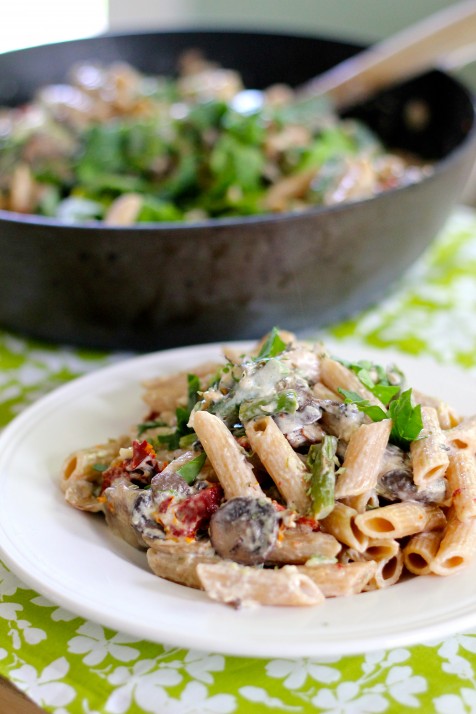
pixel 71 666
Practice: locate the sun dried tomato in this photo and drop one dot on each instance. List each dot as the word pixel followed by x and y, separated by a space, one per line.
pixel 194 513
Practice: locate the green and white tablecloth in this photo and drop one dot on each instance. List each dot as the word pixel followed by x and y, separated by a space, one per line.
pixel 71 666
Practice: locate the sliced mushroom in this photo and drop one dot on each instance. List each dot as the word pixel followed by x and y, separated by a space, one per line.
pixel 142 518
pixel 340 419
pixel 395 480
pixel 121 498
pixel 244 530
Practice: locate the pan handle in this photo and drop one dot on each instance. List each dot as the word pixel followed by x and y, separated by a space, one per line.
pixel 429 43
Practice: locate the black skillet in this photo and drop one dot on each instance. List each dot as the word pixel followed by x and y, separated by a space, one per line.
pixel 155 286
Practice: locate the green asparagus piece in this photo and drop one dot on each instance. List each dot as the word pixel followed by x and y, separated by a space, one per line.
pixel 321 461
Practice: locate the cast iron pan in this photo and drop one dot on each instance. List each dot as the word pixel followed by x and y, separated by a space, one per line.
pixel 156 286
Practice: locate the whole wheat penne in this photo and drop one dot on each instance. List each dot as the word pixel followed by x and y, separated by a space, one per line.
pixel 420 552
pixel 463 435
pixel 340 579
pixel 239 585
pixel 388 556
pixel 447 416
pixel 457 547
pixel 281 461
pixel 363 501
pixel 400 519
pixel 163 394
pixel 295 546
pixel 335 375
pixel 362 459
pixel 177 560
pixel 228 459
pixel 429 454
pixel 79 473
pixel 320 391
pixel 341 524
pixel 461 476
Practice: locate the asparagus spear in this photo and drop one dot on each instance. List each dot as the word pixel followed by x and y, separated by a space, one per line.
pixel 321 461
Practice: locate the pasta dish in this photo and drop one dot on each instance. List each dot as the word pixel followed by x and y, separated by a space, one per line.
pixel 287 475
pixel 115 145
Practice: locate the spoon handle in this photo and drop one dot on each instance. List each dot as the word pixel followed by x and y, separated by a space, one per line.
pixel 412 51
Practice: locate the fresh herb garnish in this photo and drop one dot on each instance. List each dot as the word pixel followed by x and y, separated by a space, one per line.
pixel 100 467
pixel 406 418
pixel 191 469
pixel 371 410
pixel 385 384
pixel 272 346
pixel 146 425
pixel 285 402
pixel 172 440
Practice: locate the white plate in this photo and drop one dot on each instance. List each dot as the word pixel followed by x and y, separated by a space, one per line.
pixel 73 559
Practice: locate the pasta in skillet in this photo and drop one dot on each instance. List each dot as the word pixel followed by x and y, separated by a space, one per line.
pixel 285 476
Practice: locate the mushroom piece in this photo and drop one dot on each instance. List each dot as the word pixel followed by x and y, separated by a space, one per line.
pixel 121 498
pixel 340 419
pixel 395 480
pixel 244 530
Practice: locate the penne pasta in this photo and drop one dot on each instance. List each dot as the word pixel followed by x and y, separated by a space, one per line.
pixel 362 459
pixel 389 558
pixel 339 580
pixel 461 476
pixel 335 376
pixel 457 546
pixel 281 461
pixel 399 520
pixel 341 523
pixel 227 457
pixel 429 454
pixel 320 391
pixel 81 472
pixel 363 501
pixel 294 546
pixel 447 416
pixel 178 560
pixel 163 393
pixel 420 552
pixel 463 435
pixel 241 585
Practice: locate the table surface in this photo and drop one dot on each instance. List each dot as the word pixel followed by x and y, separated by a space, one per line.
pixel 68 665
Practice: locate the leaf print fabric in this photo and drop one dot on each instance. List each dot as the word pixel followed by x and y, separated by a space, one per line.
pixel 72 666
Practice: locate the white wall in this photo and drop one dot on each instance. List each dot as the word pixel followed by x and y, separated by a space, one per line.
pixel 35 22
pixel 365 19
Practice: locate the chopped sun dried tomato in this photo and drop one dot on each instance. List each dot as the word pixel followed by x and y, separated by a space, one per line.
pixel 111 475
pixel 194 512
pixel 308 523
pixel 140 451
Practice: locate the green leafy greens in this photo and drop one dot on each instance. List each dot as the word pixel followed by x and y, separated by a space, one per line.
pixel 406 418
pixel 182 435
